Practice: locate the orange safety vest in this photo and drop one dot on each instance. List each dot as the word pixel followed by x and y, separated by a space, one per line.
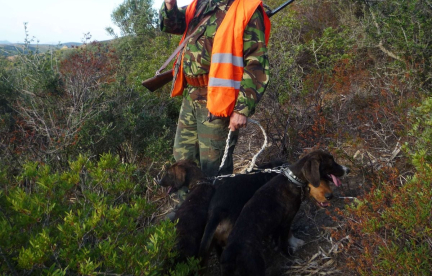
pixel 226 68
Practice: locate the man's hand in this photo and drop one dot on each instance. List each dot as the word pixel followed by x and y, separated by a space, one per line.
pixel 237 121
pixel 170 4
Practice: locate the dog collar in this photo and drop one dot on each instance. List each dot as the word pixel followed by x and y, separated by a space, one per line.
pixel 205 181
pixel 291 177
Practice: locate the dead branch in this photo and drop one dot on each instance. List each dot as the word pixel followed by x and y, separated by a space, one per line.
pixel 380 44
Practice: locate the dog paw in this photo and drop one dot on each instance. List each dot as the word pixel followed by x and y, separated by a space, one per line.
pixel 295 243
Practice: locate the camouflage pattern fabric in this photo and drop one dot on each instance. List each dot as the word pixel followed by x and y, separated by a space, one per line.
pixel 196 138
pixel 197 52
pixel 202 141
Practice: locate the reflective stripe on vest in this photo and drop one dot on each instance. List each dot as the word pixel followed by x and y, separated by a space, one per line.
pixel 224 83
pixel 227 58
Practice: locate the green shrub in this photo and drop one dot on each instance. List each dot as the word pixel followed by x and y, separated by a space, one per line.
pixel 421 150
pixel 402 31
pixel 392 227
pixel 90 219
pixel 393 223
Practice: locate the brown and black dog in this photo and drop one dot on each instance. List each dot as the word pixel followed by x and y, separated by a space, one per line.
pixel 231 194
pixel 272 209
pixel 224 206
pixel 193 212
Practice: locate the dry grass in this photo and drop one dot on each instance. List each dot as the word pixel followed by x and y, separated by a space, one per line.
pixel 323 262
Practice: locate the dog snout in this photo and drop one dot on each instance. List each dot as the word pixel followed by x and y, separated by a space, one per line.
pixel 328 196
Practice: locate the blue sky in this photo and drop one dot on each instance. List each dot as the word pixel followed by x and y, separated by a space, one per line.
pixel 53 21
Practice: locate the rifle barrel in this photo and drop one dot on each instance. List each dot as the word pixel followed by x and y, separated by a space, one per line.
pixel 278 9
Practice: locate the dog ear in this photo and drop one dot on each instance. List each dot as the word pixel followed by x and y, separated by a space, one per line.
pixel 311 172
pixel 179 176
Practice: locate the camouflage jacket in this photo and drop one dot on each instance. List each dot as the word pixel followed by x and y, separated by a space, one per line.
pixel 197 52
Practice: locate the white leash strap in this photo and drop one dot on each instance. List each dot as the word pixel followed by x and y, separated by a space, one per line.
pixel 249 169
pixel 262 148
pixel 225 152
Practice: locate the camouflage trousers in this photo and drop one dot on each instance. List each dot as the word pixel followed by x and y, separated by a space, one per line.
pixel 202 141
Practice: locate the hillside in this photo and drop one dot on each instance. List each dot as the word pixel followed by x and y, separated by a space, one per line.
pixel 11 49
pixel 83 143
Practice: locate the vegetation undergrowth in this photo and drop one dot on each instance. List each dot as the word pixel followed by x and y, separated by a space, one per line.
pixel 93 217
pixel 81 139
pixel 391 226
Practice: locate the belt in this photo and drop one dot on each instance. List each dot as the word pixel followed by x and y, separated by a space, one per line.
pixel 198 81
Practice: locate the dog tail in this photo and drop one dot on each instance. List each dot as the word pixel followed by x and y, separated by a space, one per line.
pixel 209 231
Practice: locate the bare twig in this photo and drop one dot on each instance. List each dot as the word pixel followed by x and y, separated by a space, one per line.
pixel 380 44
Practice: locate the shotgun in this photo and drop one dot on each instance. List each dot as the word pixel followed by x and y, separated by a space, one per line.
pixel 158 81
pixel 161 79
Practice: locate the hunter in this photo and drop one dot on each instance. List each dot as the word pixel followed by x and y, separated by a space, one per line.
pixel 222 73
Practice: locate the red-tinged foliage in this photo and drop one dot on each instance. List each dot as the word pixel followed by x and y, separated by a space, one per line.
pixel 346 74
pixel 339 81
pixel 339 94
pixel 89 67
pixel 50 120
pixel 315 17
pixel 355 100
pixel 390 227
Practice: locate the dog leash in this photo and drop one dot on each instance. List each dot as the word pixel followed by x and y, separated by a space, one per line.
pixel 252 164
pixel 262 148
pixel 224 157
pixel 219 177
pixel 284 169
pixel 280 170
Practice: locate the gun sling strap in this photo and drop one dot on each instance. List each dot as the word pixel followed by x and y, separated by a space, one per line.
pixel 181 46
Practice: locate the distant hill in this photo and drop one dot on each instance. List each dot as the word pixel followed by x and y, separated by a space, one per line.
pixel 11 49
pixel 70 44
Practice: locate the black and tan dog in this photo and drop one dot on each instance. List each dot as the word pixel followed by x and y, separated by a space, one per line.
pixel 272 209
pixel 225 205
pixel 231 194
pixel 193 212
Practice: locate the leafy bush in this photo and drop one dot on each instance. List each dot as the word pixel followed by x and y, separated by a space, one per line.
pixel 346 75
pixel 401 30
pixel 421 150
pixel 137 127
pixel 392 225
pixel 52 100
pixel 90 219
pixel 55 106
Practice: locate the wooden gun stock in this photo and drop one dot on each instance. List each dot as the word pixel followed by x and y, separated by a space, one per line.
pixel 158 81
